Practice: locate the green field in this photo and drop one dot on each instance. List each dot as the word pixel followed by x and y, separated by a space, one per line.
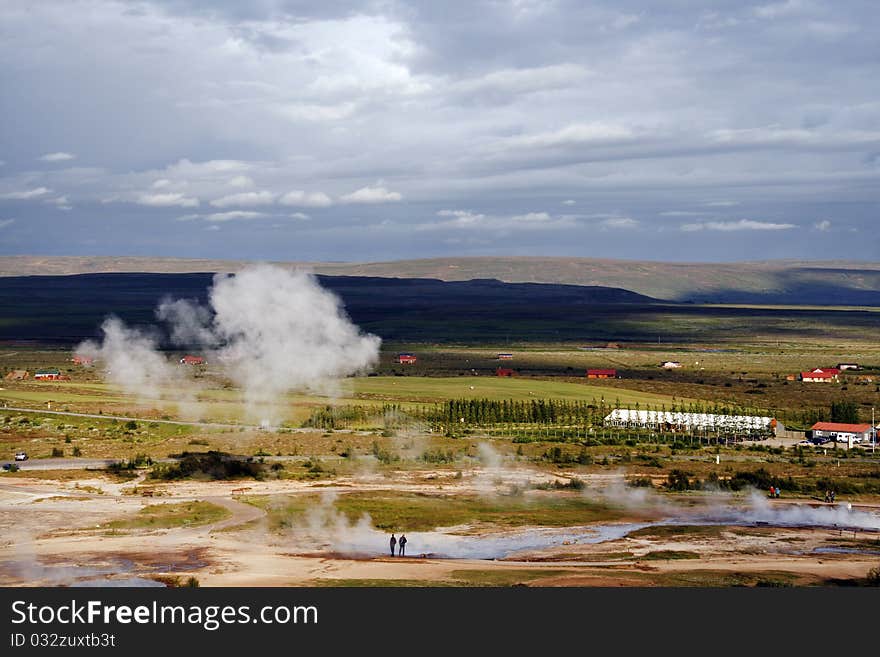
pixel 223 405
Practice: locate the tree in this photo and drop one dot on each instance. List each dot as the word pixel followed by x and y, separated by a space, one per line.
pixel 844 411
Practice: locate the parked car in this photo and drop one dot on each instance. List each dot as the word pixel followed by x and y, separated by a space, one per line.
pixel 21 456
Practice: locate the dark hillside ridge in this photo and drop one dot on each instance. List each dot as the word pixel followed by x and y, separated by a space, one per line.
pixel 68 309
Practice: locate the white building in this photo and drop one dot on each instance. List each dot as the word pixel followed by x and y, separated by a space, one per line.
pixel 670 364
pixel 624 417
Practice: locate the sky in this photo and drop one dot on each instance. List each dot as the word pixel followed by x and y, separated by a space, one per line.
pixel 367 131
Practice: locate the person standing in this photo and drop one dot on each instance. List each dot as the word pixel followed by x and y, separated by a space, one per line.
pixel 402 544
pixel 393 544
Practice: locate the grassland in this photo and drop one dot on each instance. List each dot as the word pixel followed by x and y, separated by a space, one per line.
pixel 395 510
pixel 171 515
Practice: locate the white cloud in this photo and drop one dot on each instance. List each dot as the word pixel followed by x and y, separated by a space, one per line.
pixel 241 182
pixel 167 200
pixel 523 80
pixel 62 203
pixel 531 217
pixel 233 214
pixel 26 194
pixel 742 224
pixel 302 216
pixel 577 133
pixel 212 227
pixel 6 222
pixel 245 199
pixel 681 213
pixel 306 199
pixel 371 195
pixel 461 217
pixel 778 9
pixel 625 223
pixel 162 183
pixel 315 112
pixel 721 204
pixel 569 202
pixel 57 157
pixel 822 226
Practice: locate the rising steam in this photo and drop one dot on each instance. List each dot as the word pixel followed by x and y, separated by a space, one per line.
pixel 269 329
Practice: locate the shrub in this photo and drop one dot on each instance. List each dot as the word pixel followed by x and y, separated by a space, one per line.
pixel 77 451
pixel 57 452
pixel 873 578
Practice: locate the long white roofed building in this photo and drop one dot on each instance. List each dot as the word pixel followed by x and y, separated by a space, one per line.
pixel 681 421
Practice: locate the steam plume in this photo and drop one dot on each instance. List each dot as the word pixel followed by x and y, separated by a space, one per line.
pixel 271 330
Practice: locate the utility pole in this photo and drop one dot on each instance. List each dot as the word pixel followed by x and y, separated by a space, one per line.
pixel 873 432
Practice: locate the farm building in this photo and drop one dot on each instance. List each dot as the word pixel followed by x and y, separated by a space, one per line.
pixel 670 364
pixel 601 374
pixel 848 366
pixel 820 375
pixel 17 375
pixel 504 371
pixel 849 433
pixel 82 360
pixel 677 420
pixel 505 356
pixel 49 375
pixel 192 360
pixel 406 359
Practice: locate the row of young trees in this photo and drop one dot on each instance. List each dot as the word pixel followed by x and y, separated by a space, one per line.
pixel 547 412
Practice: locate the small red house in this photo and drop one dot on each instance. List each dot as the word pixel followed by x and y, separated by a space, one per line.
pixel 601 374
pixel 82 360
pixel 821 375
pixel 406 359
pixel 504 371
pixel 505 356
pixel 192 360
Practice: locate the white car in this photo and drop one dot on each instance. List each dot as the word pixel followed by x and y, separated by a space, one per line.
pixel 20 456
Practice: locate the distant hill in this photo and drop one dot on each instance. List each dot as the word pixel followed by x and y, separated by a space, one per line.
pixel 777 282
pixel 67 309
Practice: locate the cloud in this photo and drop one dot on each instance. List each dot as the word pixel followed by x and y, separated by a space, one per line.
pixel 26 194
pixel 569 202
pixel 742 224
pixel 57 157
pixel 779 9
pixel 306 199
pixel 241 181
pixel 62 203
pixel 625 223
pixel 577 133
pixel 173 199
pixel 245 199
pixel 822 226
pixel 301 216
pixel 681 213
pixel 371 195
pixel 6 222
pixel 233 215
pixel 466 219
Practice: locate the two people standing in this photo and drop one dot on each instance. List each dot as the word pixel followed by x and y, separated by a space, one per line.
pixel 401 544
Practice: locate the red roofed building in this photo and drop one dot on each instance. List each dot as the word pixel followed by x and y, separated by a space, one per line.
pixel 821 375
pixel 82 360
pixel 504 371
pixel 601 374
pixel 850 433
pixel 192 360
pixel 406 359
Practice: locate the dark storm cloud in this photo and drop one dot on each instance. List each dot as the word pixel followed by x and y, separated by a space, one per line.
pixel 360 130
